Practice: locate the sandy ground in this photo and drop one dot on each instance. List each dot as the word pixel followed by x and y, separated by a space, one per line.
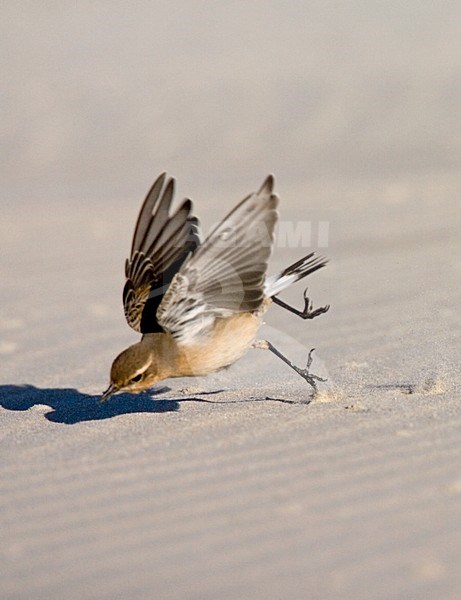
pixel 233 486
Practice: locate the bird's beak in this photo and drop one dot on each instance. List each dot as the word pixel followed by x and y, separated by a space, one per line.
pixel 111 390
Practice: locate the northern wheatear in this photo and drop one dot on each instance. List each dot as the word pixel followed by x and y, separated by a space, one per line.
pixel 198 304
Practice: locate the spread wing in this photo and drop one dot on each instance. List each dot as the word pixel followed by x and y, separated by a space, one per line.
pixel 161 243
pixel 226 274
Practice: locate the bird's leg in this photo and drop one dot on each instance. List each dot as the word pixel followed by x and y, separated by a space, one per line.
pixel 310 378
pixel 308 312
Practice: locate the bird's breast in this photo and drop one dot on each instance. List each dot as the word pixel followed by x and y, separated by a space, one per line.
pixel 229 340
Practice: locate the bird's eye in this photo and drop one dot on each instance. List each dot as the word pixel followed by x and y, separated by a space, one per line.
pixel 137 378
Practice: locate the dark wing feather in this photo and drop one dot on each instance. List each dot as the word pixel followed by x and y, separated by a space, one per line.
pixel 161 244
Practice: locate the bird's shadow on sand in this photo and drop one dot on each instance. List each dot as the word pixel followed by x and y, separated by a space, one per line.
pixel 70 406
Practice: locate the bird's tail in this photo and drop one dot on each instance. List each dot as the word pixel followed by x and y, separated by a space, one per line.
pixel 307 265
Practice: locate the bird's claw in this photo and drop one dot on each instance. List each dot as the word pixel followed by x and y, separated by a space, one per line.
pixel 309 312
pixel 310 378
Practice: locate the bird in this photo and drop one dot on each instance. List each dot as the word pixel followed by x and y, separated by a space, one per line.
pixel 199 304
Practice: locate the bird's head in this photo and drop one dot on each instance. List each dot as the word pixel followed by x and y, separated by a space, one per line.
pixel 134 370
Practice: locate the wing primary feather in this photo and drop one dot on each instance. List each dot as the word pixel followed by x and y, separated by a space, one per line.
pixel 161 218
pixel 267 186
pixel 172 226
pixel 145 214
